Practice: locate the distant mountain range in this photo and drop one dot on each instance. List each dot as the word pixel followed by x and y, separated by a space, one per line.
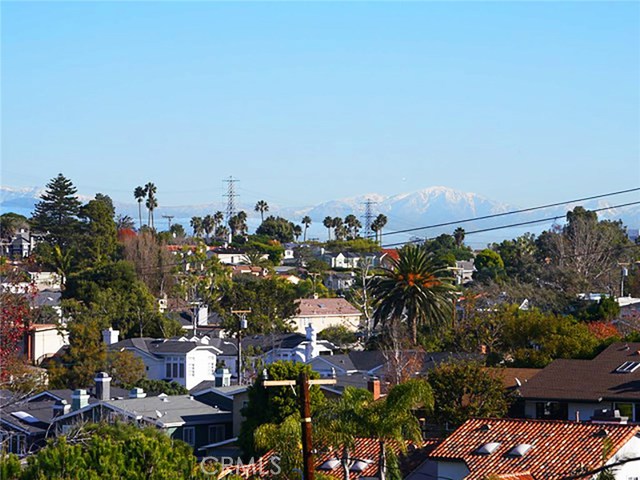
pixel 429 206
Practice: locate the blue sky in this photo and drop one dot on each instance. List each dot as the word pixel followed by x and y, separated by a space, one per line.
pixel 306 102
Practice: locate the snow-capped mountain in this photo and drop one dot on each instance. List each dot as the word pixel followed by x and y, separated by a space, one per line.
pixel 424 207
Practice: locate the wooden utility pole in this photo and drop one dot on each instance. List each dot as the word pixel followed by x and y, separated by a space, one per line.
pixel 242 325
pixel 303 383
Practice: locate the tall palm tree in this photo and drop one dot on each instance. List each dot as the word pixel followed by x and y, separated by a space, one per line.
pixel 261 207
pixel 297 231
pixel 139 193
pixel 197 225
pixel 328 223
pixel 306 221
pixel 338 228
pixel 458 235
pixel 152 202
pixel 353 224
pixel 151 205
pixel 208 225
pixel 415 290
pixel 380 221
pixel 218 218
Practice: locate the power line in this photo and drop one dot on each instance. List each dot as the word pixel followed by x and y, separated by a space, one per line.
pixel 519 224
pixel 513 212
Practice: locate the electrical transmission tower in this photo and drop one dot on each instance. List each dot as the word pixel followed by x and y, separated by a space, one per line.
pixel 368 218
pixel 231 197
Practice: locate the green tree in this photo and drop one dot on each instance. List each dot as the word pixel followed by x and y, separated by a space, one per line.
pixel 328 224
pixel 274 404
pixel 378 225
pixel 297 231
pixel 10 223
pixel 99 233
pixel 277 228
pixel 458 235
pixel 306 221
pixel 112 452
pixel 152 201
pixel 156 387
pixel 197 225
pixel 489 266
pixel 338 335
pixel 139 193
pixel 261 206
pixel 415 290
pixel 208 225
pixel 271 300
pixel 55 215
pixel 463 390
pixel 177 231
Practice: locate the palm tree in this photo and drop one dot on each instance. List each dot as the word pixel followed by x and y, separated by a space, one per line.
pixel 306 221
pixel 297 231
pixel 380 221
pixel 151 205
pixel 152 202
pixel 415 290
pixel 261 207
pixel 328 223
pixel 393 419
pixel 139 193
pixel 218 218
pixel 196 224
pixel 221 232
pixel 338 228
pixel 208 225
pixel 353 224
pixel 458 235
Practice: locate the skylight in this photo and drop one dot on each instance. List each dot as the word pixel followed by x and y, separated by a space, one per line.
pixel 25 417
pixel 488 448
pixel 628 367
pixel 330 464
pixel 520 450
pixel 360 465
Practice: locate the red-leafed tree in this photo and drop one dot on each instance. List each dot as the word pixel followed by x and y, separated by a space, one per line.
pixel 14 322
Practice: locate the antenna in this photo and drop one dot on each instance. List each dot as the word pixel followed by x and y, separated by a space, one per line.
pixel 231 197
pixel 368 218
pixel 169 218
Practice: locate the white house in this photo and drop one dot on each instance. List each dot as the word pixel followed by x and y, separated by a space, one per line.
pixel 185 361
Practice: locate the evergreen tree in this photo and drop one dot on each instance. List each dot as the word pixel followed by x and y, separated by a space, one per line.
pixel 56 213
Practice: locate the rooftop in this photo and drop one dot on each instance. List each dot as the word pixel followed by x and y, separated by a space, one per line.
pixel 556 447
pixel 321 307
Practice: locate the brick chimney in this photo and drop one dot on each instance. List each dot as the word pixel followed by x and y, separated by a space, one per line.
pixel 373 385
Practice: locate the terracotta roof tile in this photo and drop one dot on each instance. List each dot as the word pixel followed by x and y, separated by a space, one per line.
pixel 558 447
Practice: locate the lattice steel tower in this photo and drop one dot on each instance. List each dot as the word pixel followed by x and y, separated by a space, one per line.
pixel 231 197
pixel 368 218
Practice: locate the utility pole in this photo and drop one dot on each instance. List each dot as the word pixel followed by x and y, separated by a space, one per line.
pixel 242 325
pixel 169 218
pixel 303 383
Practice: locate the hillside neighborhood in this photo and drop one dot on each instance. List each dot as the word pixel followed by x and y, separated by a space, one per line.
pixel 430 360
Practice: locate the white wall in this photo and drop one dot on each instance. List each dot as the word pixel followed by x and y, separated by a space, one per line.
pixel 629 470
pixel 352 322
pixel 46 343
pixel 204 362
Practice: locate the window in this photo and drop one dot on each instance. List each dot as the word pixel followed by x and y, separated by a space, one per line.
pixel 192 369
pixel 628 367
pixel 212 366
pixel 625 409
pixel 174 367
pixel 189 435
pixel 217 433
pixel 552 410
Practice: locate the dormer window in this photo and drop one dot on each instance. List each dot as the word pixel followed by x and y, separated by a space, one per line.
pixel 488 448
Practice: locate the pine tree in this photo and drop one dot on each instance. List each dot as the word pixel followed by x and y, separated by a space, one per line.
pixel 55 214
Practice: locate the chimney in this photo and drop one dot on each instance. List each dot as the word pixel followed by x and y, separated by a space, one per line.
pixel 79 399
pixel 137 393
pixel 311 348
pixel 483 349
pixel 577 415
pixel 203 316
pixel 103 386
pixel 373 385
pixel 61 407
pixel 223 377
pixel 110 336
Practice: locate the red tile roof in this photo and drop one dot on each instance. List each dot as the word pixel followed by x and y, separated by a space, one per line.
pixel 558 447
pixel 322 307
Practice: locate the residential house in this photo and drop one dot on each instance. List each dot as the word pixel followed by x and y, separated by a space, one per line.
pixel 43 341
pixel 463 271
pixel 322 313
pixel 228 397
pixel 340 281
pixel 25 423
pixel 185 361
pixel 581 389
pixel 295 347
pixel 519 449
pixel 228 255
pixel 182 417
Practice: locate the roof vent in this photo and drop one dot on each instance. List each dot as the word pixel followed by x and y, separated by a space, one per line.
pixel 488 448
pixel 601 433
pixel 330 464
pixel 628 367
pixel 520 450
pixel 485 427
